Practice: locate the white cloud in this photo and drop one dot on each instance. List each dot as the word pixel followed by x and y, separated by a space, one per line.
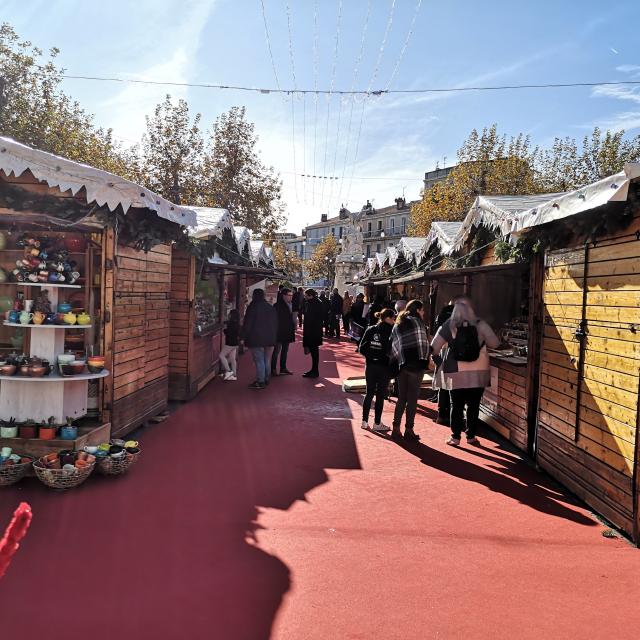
pixel 616 92
pixel 125 111
pixel 628 120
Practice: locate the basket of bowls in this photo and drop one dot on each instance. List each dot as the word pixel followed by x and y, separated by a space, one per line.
pixel 65 469
pixel 13 467
pixel 115 458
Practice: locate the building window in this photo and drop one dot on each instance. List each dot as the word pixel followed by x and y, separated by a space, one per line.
pixel 340 232
pixel 378 248
pixel 404 226
pixel 368 251
pixel 379 225
pixel 369 227
pixel 392 226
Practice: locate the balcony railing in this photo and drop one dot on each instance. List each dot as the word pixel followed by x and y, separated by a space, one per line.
pixel 388 233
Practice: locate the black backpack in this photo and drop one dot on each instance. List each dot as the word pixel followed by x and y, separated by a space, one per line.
pixel 466 346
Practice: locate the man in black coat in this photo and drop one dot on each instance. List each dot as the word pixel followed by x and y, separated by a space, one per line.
pixel 326 311
pixel 260 332
pixel 335 313
pixel 314 317
pixel 286 332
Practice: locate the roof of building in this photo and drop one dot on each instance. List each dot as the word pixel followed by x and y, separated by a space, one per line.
pixel 326 223
pixel 212 222
pixel 102 187
pixel 412 248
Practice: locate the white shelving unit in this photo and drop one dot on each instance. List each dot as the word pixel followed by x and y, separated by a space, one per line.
pixel 53 395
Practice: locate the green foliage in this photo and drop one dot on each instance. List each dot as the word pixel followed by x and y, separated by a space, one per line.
pixel 35 111
pixel 172 153
pixel 235 178
pixel 322 264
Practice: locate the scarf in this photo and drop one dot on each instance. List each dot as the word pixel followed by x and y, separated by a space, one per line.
pixel 409 336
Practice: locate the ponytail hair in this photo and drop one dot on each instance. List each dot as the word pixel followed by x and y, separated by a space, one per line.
pixel 410 310
pixel 381 316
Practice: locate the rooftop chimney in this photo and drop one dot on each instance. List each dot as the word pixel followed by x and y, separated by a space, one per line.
pixel 323 217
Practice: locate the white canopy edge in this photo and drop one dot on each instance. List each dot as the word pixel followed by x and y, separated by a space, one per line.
pixel 380 259
pixel 615 188
pixel 243 239
pixel 258 252
pixel 407 246
pixel 212 222
pixel 392 256
pixel 102 187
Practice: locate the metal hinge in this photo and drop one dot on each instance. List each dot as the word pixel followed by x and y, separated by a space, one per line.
pixel 107 316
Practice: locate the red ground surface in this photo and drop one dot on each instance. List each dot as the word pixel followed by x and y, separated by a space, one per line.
pixel 257 514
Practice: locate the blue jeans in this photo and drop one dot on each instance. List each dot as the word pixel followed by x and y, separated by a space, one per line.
pixel 262 360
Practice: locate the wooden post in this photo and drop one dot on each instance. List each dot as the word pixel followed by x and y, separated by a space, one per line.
pixel 108 279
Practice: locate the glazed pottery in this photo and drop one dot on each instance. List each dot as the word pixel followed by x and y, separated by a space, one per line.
pixel 70 317
pixel 66 358
pixel 5 452
pixel 14 316
pixel 90 449
pixel 28 431
pixel 84 318
pixel 9 432
pixel 131 443
pixel 7 369
pixel 39 317
pixel 38 370
pixel 64 307
pixel 67 457
pixel 25 317
pixel 68 433
pixel 28 305
pixel 116 442
pixel 47 432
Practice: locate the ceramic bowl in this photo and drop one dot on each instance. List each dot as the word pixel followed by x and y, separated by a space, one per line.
pixel 116 442
pixel 95 369
pixel 7 369
pixel 65 358
pixel 91 449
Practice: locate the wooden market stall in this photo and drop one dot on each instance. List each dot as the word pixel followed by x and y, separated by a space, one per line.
pixel 122 285
pixel 587 415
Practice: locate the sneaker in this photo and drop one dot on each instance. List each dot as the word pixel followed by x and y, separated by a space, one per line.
pixel 285 372
pixel 411 436
pixel 311 374
pixel 396 435
pixel 382 428
pixel 227 376
pixel 232 378
pixel 274 372
pixel 443 421
pixel 256 385
pixel 365 424
pixel 474 441
pixel 454 442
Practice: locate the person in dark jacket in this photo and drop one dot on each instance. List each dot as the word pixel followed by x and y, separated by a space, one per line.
pixel 358 322
pixel 335 313
pixel 375 346
pixel 326 311
pixel 286 332
pixel 314 316
pixel 378 305
pixel 297 300
pixel 229 353
pixel 301 304
pixel 260 332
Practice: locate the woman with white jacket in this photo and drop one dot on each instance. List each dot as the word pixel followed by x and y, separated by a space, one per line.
pixel 459 350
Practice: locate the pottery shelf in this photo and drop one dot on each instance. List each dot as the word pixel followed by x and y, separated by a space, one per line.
pixel 47 326
pixel 46 285
pixel 56 377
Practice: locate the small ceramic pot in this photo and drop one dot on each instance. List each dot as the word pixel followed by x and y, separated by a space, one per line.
pixel 67 457
pixel 68 433
pixel 7 369
pixel 28 431
pixel 9 432
pixel 64 307
pixel 47 433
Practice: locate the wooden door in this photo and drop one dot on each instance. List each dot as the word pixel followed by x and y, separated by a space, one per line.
pixel 590 360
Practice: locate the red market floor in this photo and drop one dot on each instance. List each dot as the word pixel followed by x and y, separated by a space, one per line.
pixel 271 514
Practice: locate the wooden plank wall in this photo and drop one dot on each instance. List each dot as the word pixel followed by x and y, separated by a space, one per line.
pixel 507 412
pixel 599 465
pixel 181 330
pixel 140 335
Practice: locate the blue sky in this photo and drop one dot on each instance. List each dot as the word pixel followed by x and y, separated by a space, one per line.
pixel 454 43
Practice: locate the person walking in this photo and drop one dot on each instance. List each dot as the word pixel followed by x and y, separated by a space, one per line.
pixel 286 332
pixel 375 346
pixel 326 311
pixel 260 331
pixel 314 316
pixel 409 354
pixel 335 314
pixel 300 306
pixel 459 350
pixel 296 304
pixel 444 397
pixel 229 353
pixel 347 301
pixel 378 305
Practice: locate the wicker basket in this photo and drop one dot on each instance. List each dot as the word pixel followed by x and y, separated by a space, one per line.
pixel 61 478
pixel 109 466
pixel 11 473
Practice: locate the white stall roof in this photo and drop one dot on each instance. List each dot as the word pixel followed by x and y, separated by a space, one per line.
pixel 212 222
pixel 102 187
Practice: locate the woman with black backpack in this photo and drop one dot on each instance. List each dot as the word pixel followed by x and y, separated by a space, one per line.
pixel 375 346
pixel 459 350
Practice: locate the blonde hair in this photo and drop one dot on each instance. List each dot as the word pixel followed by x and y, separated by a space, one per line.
pixel 463 311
